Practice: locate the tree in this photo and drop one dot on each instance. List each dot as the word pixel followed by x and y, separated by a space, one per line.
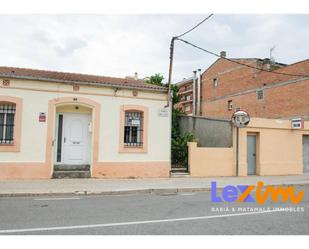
pixel 179 141
pixel 176 97
pixel 156 79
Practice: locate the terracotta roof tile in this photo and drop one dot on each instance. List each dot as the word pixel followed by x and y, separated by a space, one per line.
pixel 14 72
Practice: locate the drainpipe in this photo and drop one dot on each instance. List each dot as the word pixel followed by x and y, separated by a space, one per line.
pixel 199 93
pixel 194 94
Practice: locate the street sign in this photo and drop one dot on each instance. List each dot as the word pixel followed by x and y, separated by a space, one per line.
pixel 240 119
pixel 297 123
pixel 163 112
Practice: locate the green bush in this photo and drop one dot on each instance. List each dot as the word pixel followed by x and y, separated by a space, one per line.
pixel 179 141
pixel 180 148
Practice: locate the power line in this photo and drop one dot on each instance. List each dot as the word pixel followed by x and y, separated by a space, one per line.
pixel 195 26
pixel 172 56
pixel 209 52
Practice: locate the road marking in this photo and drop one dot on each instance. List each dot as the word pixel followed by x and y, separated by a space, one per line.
pixel 187 194
pixel 40 229
pixel 57 199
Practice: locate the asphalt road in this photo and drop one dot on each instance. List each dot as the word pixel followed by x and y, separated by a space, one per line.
pixel 149 214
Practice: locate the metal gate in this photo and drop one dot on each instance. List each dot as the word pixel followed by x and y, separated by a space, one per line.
pixel 180 161
pixel 306 153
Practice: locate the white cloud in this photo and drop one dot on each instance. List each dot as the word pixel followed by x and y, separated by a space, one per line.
pixel 119 45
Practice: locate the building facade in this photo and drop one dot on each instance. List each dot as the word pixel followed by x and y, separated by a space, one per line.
pixel 52 123
pixel 185 93
pixel 273 94
pixel 227 86
pixel 266 147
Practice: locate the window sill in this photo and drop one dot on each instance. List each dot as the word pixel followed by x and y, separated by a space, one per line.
pixel 12 144
pixel 9 147
pixel 126 149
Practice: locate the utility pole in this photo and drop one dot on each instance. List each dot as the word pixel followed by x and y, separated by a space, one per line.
pixel 170 70
pixel 172 57
pixel 237 151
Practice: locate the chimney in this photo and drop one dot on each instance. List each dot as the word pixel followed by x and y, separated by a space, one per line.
pixel 267 63
pixel 136 76
pixel 223 54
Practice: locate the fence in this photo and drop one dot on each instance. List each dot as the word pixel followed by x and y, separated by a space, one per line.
pixel 210 132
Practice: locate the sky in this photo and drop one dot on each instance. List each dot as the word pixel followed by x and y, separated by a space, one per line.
pixel 120 45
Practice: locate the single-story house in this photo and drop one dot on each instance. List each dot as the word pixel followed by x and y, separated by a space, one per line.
pixel 56 124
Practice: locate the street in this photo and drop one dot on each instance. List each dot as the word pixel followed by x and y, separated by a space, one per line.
pixel 147 214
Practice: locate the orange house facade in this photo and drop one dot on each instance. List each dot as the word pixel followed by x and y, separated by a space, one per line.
pixel 55 125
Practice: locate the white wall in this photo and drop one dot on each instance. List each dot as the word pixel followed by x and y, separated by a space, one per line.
pixel 33 135
pixel 158 131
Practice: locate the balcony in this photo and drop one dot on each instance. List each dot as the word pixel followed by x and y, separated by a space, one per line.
pixel 185 92
pixel 185 101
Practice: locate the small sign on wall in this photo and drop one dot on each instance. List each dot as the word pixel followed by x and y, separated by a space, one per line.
pixel 42 117
pixel 163 112
pixel 135 122
pixel 297 123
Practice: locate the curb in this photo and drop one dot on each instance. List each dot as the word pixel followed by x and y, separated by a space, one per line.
pixel 167 191
pixel 158 191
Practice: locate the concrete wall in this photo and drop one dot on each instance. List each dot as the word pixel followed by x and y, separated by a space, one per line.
pixel 205 161
pixel 210 132
pixel 279 151
pixel 36 97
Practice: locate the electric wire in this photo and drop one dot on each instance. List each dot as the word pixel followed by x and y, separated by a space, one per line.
pixel 237 62
pixel 205 19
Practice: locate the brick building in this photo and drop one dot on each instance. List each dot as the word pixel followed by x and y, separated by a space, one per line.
pixel 186 95
pixel 226 86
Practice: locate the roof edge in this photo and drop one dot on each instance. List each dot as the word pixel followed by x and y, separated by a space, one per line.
pixel 184 81
pixel 111 85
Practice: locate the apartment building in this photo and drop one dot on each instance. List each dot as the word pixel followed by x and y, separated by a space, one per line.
pixel 251 84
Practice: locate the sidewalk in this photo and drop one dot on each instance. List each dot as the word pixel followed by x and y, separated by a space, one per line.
pixel 133 186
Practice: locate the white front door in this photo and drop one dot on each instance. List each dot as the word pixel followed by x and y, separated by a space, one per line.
pixel 76 138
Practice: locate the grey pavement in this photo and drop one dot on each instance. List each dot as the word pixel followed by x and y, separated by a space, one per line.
pixel 148 214
pixel 120 186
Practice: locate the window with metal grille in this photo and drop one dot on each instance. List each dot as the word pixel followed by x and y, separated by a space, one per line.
pixel 7 116
pixel 133 129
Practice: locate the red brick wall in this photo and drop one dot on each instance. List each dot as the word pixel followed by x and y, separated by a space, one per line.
pixel 279 102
